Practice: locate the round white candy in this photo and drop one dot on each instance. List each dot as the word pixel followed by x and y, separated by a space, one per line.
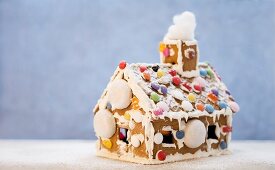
pixel 158 138
pixel 162 105
pixel 187 106
pixel 135 141
pixel 177 94
pixel 195 133
pixel 119 94
pixel 104 124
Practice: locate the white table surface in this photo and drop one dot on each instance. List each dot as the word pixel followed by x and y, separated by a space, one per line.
pixel 77 154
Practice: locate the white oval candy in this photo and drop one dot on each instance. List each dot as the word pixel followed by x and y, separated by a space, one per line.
pixel 119 94
pixel 177 94
pixel 104 124
pixel 158 138
pixel 195 133
pixel 187 106
pixel 162 105
pixel 200 81
pixel 135 141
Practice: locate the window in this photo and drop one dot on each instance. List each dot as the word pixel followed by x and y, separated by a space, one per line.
pixel 167 137
pixel 212 132
pixel 123 135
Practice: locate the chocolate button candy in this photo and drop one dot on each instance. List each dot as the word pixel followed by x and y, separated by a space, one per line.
pixel 155 68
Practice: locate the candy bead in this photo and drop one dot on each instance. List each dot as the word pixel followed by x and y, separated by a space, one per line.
pixel 126 116
pixel 122 64
pixel 197 88
pixel 158 111
pixel 222 105
pixel 191 97
pixel 186 87
pixel 107 143
pixel 155 97
pixel 162 105
pixel 161 155
pixel 209 108
pixel 227 129
pixel 212 97
pixel 200 81
pixel 203 72
pixel 155 86
pixel 146 76
pixel 160 73
pixel 135 104
pixel 161 47
pixel 173 72
pixel 215 91
pixel 227 92
pixel 176 81
pixel 180 134
pixel 163 90
pixel 200 107
pixel 108 106
pixel 234 106
pixel 223 145
pixel 187 106
pixel 158 138
pixel 142 68
pixel 155 68
pixel 210 73
pixel 166 52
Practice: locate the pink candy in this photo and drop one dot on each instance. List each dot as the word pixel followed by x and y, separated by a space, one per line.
pixel 158 112
pixel 166 52
pixel 234 106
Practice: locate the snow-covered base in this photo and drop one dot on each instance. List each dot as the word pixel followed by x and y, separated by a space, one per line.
pixel 169 158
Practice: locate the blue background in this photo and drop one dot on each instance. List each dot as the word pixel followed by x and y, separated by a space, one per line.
pixel 56 58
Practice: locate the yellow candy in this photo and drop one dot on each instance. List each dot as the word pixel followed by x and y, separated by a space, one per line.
pixel 135 104
pixel 160 73
pixel 127 116
pixel 191 97
pixel 107 143
pixel 161 47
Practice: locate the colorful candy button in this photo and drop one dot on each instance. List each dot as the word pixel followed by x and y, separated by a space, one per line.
pixel 209 108
pixel 160 73
pixel 173 72
pixel 215 91
pixel 212 97
pixel 222 105
pixel 122 64
pixel 176 80
pixel 180 134
pixel 234 106
pixel 126 116
pixel 200 107
pixel 227 129
pixel 197 88
pixel 163 89
pixel 155 68
pixel 142 68
pixel 210 72
pixel 155 97
pixel 166 52
pixel 223 145
pixel 107 143
pixel 155 86
pixel 135 104
pixel 187 106
pixel 146 76
pixel 187 87
pixel 191 97
pixel 161 155
pixel 158 111
pixel 108 106
pixel 161 47
pixel 203 72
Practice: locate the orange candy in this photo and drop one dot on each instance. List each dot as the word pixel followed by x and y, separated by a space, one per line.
pixel 212 97
pixel 200 107
pixel 161 47
pixel 146 76
pixel 135 104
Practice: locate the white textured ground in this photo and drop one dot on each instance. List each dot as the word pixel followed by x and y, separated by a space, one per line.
pixel 81 155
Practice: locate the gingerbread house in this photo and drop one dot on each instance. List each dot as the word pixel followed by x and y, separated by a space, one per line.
pixel 170 111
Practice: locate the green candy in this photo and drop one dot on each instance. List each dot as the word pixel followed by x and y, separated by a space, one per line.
pixel 210 73
pixel 155 97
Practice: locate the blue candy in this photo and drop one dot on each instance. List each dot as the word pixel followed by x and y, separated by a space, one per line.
pixel 155 86
pixel 163 90
pixel 223 145
pixel 109 106
pixel 203 72
pixel 180 134
pixel 209 108
pixel 215 91
pixel 222 105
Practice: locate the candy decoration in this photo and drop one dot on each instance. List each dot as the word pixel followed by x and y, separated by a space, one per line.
pixel 160 73
pixel 222 105
pixel 223 145
pixel 155 68
pixel 158 138
pixel 212 97
pixel 104 124
pixel 162 105
pixel 155 97
pixel 227 129
pixel 155 86
pixel 135 141
pixel 166 52
pixel 122 64
pixel 135 104
pixel 121 136
pixel 215 91
pixel 177 94
pixel 119 89
pixel 187 106
pixel 234 106
pixel 127 116
pixel 209 108
pixel 142 68
pixel 191 97
pixel 186 87
pixel 108 106
pixel 161 155
pixel 200 107
pixel 210 73
pixel 200 81
pixel 173 72
pixel 197 88
pixel 146 76
pixel 227 92
pixel 161 47
pixel 163 89
pixel 180 134
pixel 107 143
pixel 158 111
pixel 176 80
pixel 203 72
pixel 195 133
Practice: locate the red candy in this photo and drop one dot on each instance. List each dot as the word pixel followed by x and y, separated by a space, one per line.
pixel 173 72
pixel 142 68
pixel 197 88
pixel 176 80
pixel 161 155
pixel 121 136
pixel 189 88
pixel 227 129
pixel 122 64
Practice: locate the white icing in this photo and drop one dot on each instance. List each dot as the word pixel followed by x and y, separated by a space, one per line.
pixel 104 124
pixel 187 106
pixel 132 124
pixel 217 130
pixel 195 133
pixel 200 81
pixel 158 138
pixel 136 115
pixel 168 145
pixel 176 93
pixel 163 106
pixel 137 140
pixel 119 94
